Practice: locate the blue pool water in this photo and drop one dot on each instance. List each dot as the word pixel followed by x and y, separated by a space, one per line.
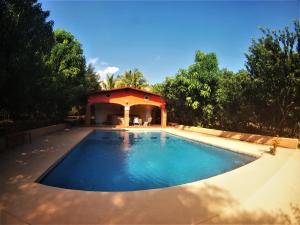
pixel 128 161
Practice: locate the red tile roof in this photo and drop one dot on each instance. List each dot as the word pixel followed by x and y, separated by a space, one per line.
pixel 126 88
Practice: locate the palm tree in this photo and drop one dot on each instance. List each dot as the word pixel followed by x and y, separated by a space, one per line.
pixel 109 83
pixel 132 78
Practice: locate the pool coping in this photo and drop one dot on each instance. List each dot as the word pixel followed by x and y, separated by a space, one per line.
pixel 229 148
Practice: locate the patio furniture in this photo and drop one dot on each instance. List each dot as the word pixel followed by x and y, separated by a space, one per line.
pixel 114 119
pixel 117 120
pixel 147 123
pixel 136 121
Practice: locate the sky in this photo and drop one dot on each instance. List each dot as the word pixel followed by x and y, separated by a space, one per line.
pixel 161 37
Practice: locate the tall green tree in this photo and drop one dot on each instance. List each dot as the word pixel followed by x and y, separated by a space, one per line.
pixel 174 90
pixel 273 63
pixel 191 94
pixel 91 80
pixel 202 78
pixel 67 64
pixel 233 96
pixel 132 78
pixel 25 39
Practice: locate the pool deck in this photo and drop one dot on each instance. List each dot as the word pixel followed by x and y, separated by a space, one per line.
pixel 265 191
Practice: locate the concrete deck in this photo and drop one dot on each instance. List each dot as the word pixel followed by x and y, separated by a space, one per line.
pixel 264 191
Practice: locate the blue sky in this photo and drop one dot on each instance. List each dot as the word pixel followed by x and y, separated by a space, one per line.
pixel 160 37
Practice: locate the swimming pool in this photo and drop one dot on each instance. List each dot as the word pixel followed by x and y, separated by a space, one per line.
pixel 128 161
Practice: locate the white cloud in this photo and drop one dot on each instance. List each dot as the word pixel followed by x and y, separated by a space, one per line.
pixel 102 67
pixel 107 70
pixel 93 61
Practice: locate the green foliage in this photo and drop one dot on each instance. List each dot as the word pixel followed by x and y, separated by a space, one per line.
pixel 132 78
pixel 25 39
pixel 273 62
pixel 42 73
pixel 109 83
pixel 68 78
pixel 233 96
pixel 157 88
pixel 91 80
pixel 192 92
pixel 265 98
pixel 66 57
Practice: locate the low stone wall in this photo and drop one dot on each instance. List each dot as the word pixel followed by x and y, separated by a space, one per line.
pixel 255 138
pixel 38 132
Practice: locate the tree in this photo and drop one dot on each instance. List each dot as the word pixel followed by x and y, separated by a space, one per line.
pixel 273 63
pixel 175 91
pixel 109 83
pixel 132 78
pixel 233 94
pixel 202 85
pixel 91 80
pixel 67 64
pixel 263 99
pixel 192 92
pixel 157 88
pixel 26 38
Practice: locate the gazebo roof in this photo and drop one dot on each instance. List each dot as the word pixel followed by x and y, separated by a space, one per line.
pixel 126 88
pixel 127 96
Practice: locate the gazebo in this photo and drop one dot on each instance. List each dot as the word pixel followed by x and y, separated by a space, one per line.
pixel 120 106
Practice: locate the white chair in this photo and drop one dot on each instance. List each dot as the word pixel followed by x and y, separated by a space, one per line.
pixel 147 123
pixel 136 121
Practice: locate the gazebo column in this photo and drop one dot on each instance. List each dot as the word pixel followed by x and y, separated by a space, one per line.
pixel 163 116
pixel 88 115
pixel 126 116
